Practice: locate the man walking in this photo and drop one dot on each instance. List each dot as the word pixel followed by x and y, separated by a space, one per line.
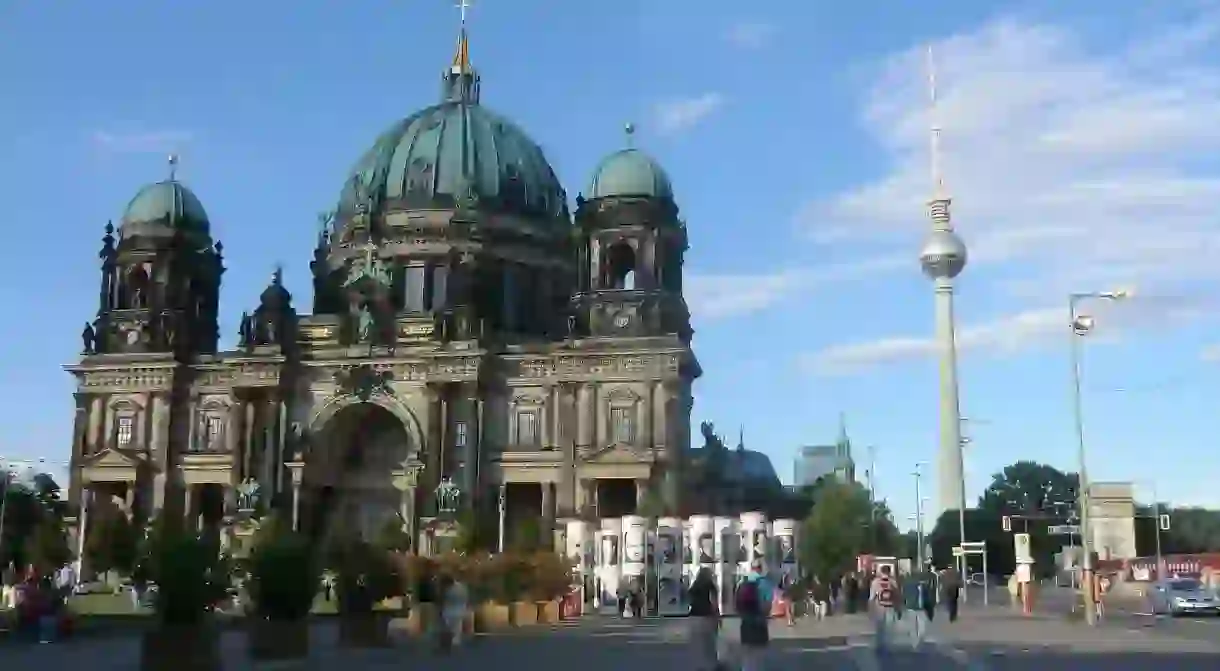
pixel 950 591
pixel 884 597
pixel 916 600
pixel 704 620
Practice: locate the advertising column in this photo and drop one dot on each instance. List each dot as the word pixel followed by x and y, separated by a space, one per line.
pixel 635 552
pixel 609 565
pixel 783 533
pixel 670 595
pixel 578 550
pixel 755 543
pixel 728 545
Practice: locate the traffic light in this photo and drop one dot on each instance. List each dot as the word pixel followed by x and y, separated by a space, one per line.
pixel 1164 522
pixel 1006 523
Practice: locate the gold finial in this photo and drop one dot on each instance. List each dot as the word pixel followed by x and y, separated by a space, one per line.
pixel 629 129
pixel 461 59
pixel 173 167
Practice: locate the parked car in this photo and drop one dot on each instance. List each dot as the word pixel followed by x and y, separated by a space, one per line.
pixel 1183 596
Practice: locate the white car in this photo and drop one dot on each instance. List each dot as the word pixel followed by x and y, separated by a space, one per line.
pixel 1183 596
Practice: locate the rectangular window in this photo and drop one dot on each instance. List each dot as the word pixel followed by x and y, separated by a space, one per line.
pixel 413 288
pixel 212 430
pixel 622 425
pixel 125 430
pixel 527 428
pixel 459 434
pixel 440 288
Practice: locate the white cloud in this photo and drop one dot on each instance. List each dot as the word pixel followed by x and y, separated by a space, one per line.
pixel 750 34
pixel 141 142
pixel 1074 165
pixel 1002 335
pixel 679 114
pixel 717 296
pixel 1014 332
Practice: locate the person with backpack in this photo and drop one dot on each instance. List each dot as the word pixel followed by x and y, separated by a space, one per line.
pixel 754 608
pixel 883 594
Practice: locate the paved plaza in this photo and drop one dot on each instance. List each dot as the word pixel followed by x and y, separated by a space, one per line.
pixel 993 639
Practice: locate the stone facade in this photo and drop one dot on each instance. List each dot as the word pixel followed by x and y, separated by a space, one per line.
pixel 473 345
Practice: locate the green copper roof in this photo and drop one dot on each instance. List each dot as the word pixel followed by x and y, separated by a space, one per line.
pixel 629 172
pixel 450 152
pixel 168 203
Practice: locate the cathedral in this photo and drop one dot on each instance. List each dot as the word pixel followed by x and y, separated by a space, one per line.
pixel 475 350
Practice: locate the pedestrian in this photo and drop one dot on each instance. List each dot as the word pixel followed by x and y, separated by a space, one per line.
pixel 916 595
pixel 821 599
pixel 929 597
pixel 454 604
pixel 835 585
pixel 753 603
pixel 622 594
pixel 884 597
pixel 851 593
pixel 950 591
pixel 704 620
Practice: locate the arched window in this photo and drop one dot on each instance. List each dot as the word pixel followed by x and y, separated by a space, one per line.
pixel 620 266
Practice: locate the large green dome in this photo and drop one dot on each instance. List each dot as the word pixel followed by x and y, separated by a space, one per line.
pixel 164 206
pixel 447 153
pixel 630 172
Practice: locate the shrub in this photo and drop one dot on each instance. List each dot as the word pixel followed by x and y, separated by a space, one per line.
pixel 366 576
pixel 284 575
pixel 189 576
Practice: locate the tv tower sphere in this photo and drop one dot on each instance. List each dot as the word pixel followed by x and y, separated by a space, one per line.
pixel 943 255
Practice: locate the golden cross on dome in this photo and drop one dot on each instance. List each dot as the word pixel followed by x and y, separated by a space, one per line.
pixel 461 60
pixel 462 6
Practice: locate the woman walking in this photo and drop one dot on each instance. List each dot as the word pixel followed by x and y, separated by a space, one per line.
pixel 704 620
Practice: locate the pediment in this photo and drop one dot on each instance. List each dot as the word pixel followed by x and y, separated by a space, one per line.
pixel 619 453
pixel 113 458
pixel 623 395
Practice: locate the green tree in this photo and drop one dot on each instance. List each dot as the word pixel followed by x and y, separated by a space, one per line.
pixel 46 547
pixel 1034 495
pixel 112 542
pixel 1191 530
pixel 843 524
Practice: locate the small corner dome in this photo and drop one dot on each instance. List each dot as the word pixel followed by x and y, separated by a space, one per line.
pixel 164 204
pixel 630 172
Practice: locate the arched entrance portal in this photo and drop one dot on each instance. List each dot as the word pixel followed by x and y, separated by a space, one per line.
pixel 348 482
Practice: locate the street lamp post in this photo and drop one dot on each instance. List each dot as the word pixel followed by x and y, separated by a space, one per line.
pixel 919 558
pixel 1081 325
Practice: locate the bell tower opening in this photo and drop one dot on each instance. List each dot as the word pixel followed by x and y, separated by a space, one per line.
pixel 620 266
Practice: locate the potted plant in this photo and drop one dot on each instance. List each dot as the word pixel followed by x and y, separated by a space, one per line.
pixel 366 577
pixel 283 583
pixel 551 580
pixel 189 583
pixel 491 611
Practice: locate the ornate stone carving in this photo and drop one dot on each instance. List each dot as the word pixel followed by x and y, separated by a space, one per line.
pixel 364 381
pixel 623 395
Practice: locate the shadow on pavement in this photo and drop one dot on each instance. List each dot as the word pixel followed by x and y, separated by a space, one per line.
pixel 996 657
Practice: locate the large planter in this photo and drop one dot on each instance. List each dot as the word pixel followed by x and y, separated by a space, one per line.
pixel 180 648
pixel 278 639
pixel 548 612
pixel 422 618
pixel 523 613
pixel 363 630
pixel 491 617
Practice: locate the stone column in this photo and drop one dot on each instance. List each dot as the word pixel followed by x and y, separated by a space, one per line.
pixel 296 471
pixel 267 432
pixel 232 427
pixel 584 417
pixel 248 466
pixel 434 450
pixel 467 414
pixel 567 495
pixel 159 447
pixel 548 506
pixel 97 413
pixel 188 507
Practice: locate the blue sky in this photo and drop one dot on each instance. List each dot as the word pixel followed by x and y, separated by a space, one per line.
pixel 1079 146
